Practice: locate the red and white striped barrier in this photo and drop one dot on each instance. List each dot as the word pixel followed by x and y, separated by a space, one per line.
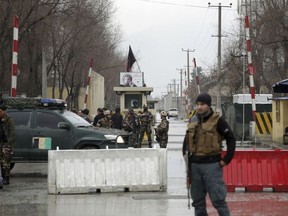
pixel 251 69
pixel 88 83
pixel 197 76
pixel 14 56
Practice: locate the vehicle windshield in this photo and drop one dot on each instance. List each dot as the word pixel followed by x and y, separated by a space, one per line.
pixel 75 119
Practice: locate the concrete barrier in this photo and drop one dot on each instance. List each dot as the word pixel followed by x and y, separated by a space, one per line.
pixel 92 171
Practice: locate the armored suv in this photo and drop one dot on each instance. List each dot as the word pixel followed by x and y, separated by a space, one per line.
pixel 47 124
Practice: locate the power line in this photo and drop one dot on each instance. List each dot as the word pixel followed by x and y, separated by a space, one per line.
pixel 204 20
pixel 175 4
pixel 180 4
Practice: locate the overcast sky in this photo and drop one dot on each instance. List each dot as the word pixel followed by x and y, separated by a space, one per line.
pixel 158 30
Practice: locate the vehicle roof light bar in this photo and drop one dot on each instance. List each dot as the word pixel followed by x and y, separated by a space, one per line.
pixel 13 102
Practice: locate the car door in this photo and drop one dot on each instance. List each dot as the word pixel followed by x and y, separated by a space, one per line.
pixel 47 135
pixel 23 121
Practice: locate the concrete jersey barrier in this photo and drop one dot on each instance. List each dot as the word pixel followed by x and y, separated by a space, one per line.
pixel 91 171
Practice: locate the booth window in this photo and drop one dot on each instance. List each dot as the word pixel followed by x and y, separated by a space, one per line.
pixel 277 111
pixel 151 105
pixel 133 101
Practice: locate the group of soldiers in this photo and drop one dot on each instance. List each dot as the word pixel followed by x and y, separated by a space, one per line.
pixel 138 124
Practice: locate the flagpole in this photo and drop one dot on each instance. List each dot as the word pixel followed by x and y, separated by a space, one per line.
pixel 138 66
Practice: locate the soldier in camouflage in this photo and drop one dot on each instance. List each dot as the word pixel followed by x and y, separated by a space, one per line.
pixel 145 119
pixel 106 121
pixel 161 131
pixel 7 140
pixel 131 124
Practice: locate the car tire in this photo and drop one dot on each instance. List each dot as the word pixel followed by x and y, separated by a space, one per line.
pixel 90 147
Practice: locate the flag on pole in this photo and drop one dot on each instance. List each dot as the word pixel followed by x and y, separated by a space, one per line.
pixel 131 60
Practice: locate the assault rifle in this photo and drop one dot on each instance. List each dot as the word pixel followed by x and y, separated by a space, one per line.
pixel 188 168
pixel 127 126
pixel 157 135
pixel 188 177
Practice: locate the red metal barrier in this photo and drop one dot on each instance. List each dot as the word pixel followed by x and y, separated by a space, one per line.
pixel 255 170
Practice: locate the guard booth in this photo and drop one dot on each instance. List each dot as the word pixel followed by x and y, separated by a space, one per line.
pixel 242 104
pixel 280 113
pixel 279 118
pixel 135 98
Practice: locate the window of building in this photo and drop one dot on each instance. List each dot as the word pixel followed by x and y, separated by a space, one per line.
pixel 151 105
pixel 133 101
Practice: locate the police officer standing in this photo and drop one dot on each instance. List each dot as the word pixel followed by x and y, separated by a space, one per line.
pixel 203 145
pixel 7 140
pixel 161 130
pixel 145 119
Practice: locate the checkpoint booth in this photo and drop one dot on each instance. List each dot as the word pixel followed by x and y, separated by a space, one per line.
pixel 242 104
pixel 280 119
pixel 132 91
pixel 280 112
pixel 135 98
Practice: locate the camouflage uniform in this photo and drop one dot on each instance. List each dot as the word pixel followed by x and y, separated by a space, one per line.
pixel 7 135
pixel 145 125
pixel 162 132
pixel 130 124
pixel 105 122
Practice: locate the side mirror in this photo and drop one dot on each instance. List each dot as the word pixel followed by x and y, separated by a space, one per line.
pixel 64 125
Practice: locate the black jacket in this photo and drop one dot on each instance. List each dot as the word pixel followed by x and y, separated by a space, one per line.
pixel 97 118
pixel 117 120
pixel 225 131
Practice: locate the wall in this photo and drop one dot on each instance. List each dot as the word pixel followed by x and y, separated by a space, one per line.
pixel 95 96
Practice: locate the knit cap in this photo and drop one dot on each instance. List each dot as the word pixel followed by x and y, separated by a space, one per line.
pixel 204 98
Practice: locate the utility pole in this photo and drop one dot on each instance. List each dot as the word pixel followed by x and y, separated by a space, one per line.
pixel 178 97
pixel 170 88
pixel 188 74
pixel 170 95
pixel 181 80
pixel 181 90
pixel 218 103
pixel 174 93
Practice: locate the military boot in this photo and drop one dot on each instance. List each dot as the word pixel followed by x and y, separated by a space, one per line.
pixel 6 181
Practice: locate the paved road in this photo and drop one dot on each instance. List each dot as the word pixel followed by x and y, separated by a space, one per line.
pixel 27 194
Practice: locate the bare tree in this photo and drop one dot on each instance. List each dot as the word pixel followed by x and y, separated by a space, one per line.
pixel 70 32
